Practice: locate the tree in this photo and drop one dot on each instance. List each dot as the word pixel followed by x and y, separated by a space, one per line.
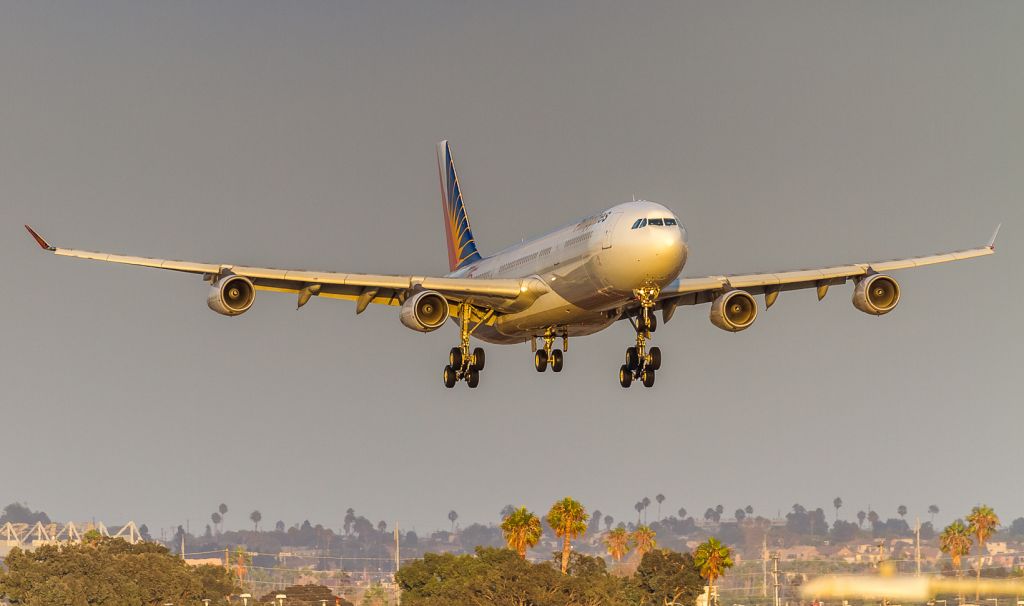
pixel 712 559
pixel 682 513
pixel 861 516
pixel 375 596
pixel 506 511
pixel 522 530
pixel 740 515
pixel 568 519
pixel 719 509
pixel 643 538
pixel 873 517
pixel 983 524
pixel 837 503
pixel 902 511
pixel 618 542
pixel 256 516
pixel 595 522
pixel 608 521
pixel 666 577
pixel 955 541
pixel 216 518
pixel 279 526
pixel 749 510
pixel 452 516
pixel 933 509
pixel 223 510
pixel 104 570
pixel 20 513
pixel 646 503
pixel 712 515
pixel 639 507
pixel 660 498
pixel 382 526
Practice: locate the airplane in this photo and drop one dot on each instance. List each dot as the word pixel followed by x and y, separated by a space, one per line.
pixel 623 262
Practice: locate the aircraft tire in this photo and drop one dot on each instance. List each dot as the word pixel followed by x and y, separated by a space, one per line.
pixel 625 376
pixel 632 358
pixel 540 360
pixel 449 377
pixel 455 357
pixel 647 377
pixel 478 358
pixel 557 359
pixel 655 359
pixel 473 378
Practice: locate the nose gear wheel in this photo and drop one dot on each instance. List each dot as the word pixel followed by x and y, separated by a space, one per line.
pixel 641 363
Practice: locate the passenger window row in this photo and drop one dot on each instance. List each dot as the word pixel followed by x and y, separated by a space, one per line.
pixel 640 223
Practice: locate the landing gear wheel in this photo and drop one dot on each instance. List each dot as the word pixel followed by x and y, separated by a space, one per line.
pixel 652 323
pixel 647 377
pixel 540 360
pixel 455 357
pixel 473 378
pixel 556 360
pixel 625 376
pixel 449 377
pixel 632 358
pixel 478 358
pixel 655 363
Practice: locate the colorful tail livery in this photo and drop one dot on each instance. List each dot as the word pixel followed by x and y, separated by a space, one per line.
pixel 461 245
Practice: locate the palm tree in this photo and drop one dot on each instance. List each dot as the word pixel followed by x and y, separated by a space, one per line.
pixel 618 542
pixel 350 519
pixel 506 511
pixel 956 541
pixel 452 516
pixel 902 510
pixel 861 516
pixel 933 509
pixel 643 538
pixel 749 510
pixel 837 503
pixel 279 526
pixel 223 509
pixel 608 521
pixel 646 503
pixel 382 526
pixel 216 519
pixel 256 516
pixel 682 513
pixel 595 521
pixel 873 517
pixel 983 523
pixel 740 514
pixel 521 529
pixel 712 558
pixel 568 519
pixel 660 498
pixel 639 507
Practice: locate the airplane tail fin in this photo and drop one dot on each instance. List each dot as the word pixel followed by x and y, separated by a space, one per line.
pixel 461 245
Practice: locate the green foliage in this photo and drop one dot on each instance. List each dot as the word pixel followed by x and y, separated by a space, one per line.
pixel 498 577
pixel 108 571
pixel 568 519
pixel 712 559
pixel 521 529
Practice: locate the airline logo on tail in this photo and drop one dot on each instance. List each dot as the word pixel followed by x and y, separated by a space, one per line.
pixel 461 245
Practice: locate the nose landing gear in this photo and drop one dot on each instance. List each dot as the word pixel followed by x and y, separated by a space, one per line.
pixel 640 362
pixel 464 364
pixel 542 358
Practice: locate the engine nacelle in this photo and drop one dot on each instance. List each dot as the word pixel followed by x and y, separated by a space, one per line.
pixel 876 295
pixel 734 310
pixel 231 295
pixel 425 311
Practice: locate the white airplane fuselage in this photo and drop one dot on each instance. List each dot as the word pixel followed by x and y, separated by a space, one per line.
pixel 590 268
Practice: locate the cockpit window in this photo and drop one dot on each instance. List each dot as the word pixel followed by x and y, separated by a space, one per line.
pixel 636 224
pixel 640 223
pixel 655 222
pixel 670 221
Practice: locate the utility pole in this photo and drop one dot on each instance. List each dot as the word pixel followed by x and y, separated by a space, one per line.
pixel 775 577
pixel 764 567
pixel 917 543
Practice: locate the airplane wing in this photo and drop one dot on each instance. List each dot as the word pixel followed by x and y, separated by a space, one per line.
pixel 694 291
pixel 501 295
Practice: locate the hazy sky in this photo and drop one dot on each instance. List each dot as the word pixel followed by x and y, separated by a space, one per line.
pixel 300 134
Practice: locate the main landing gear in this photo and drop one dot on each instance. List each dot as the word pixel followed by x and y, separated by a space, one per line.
pixel 542 358
pixel 640 362
pixel 463 364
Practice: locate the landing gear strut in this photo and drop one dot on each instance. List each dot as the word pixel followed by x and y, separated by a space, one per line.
pixel 464 364
pixel 542 358
pixel 641 362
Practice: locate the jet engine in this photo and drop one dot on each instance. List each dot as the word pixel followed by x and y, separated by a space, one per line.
pixel 876 294
pixel 425 311
pixel 734 310
pixel 231 295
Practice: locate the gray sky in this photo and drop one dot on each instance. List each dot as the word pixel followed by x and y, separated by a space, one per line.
pixel 785 134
